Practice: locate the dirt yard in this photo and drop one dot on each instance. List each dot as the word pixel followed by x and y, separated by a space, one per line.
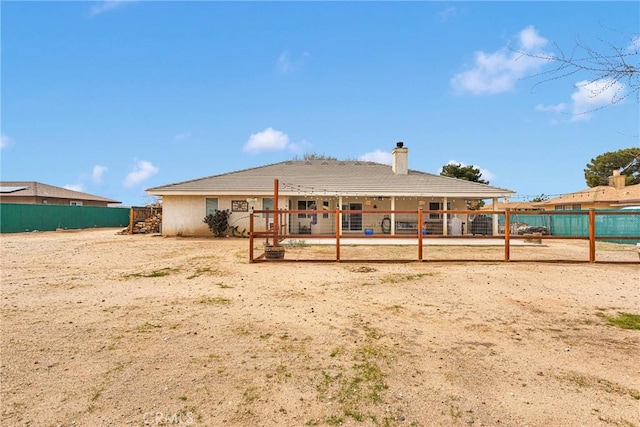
pixel 100 329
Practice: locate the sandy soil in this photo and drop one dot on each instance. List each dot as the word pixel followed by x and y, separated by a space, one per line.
pixel 100 329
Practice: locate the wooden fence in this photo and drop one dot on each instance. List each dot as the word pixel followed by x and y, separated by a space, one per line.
pixel 346 229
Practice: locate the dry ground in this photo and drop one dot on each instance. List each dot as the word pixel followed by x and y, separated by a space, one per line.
pixel 100 329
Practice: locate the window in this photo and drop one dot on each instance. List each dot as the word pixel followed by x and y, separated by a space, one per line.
pixel 267 205
pixel 436 206
pixel 306 205
pixel 75 203
pixel 211 206
pixel 568 207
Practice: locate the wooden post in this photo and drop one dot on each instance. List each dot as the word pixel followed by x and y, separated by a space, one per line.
pixel 276 216
pixel 338 223
pixel 131 221
pixel 420 225
pixel 251 218
pixel 592 235
pixel 507 235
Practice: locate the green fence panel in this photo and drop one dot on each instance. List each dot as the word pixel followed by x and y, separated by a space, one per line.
pixel 19 218
pixel 578 225
pixel 618 225
pixel 570 225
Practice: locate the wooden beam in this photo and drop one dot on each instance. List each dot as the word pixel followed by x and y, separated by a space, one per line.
pixel 592 235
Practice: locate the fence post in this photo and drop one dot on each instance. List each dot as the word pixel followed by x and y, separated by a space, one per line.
pixel 420 225
pixel 251 217
pixel 507 235
pixel 338 222
pixel 276 215
pixel 592 235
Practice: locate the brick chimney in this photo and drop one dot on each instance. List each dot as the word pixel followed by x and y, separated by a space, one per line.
pixel 400 159
pixel 616 180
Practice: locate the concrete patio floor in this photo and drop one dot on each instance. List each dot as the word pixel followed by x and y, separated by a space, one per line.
pixel 411 241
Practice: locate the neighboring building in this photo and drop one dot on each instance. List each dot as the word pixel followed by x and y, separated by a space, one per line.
pixel 613 196
pixel 31 192
pixel 513 206
pixel 323 185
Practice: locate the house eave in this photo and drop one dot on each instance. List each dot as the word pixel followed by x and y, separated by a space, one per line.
pixel 289 193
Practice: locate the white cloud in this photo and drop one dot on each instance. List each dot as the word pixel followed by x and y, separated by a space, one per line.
pixel 447 13
pixel 108 6
pixel 530 40
pixel 74 187
pixel 634 46
pixel 498 72
pixel 591 96
pixel 4 141
pixel 377 156
pixel 267 140
pixel 558 108
pixel 182 136
pixel 299 147
pixel 487 175
pixel 142 171
pixel 285 64
pixel 98 172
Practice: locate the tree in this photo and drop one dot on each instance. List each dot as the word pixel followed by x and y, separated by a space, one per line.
pixel 601 167
pixel 540 198
pixel 314 156
pixel 468 173
pixel 218 222
pixel 611 69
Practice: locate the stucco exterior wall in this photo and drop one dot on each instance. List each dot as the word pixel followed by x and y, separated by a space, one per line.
pixel 183 215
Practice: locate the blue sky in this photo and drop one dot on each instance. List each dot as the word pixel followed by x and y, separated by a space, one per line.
pixel 111 98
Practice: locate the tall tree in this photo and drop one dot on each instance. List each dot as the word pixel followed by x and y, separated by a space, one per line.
pixel 601 167
pixel 468 173
pixel 540 198
pixel 610 70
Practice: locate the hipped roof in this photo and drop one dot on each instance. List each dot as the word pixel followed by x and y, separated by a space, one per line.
pixel 602 194
pixel 38 189
pixel 331 178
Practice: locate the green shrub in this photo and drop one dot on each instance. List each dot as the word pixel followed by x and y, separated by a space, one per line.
pixel 218 222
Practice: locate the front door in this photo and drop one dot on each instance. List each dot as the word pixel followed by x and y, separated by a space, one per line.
pixel 352 221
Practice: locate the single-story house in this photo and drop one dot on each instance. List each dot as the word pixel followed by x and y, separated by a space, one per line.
pixel 323 185
pixel 32 192
pixel 613 196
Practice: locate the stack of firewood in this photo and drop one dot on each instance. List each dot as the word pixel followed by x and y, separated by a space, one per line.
pixel 149 225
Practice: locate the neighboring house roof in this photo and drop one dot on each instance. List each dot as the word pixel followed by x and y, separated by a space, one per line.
pixel 602 194
pixel 9 189
pixel 331 178
pixel 514 206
